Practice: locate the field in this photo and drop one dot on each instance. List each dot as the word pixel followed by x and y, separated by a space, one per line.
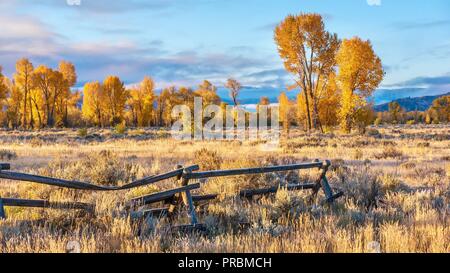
pixel 396 182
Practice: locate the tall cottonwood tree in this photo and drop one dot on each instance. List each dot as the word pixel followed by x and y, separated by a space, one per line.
pixel 4 93
pixel 284 106
pixel 360 73
pixel 23 83
pixel 208 92
pixel 308 52
pixel 440 110
pixel 70 99
pixel 93 104
pixel 54 91
pixel 115 96
pixel 140 102
pixel 234 86
pixel 4 89
pixel 166 100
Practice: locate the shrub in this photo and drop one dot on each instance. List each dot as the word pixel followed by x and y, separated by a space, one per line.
pixel 391 183
pixel 362 187
pixel 7 155
pixel 83 132
pixel 408 165
pixel 389 152
pixel 120 128
pixel 423 144
pixel 358 154
pixel 377 122
pixel 373 132
pixel 103 168
pixel 208 160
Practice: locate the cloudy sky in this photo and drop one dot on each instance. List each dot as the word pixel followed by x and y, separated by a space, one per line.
pixel 186 41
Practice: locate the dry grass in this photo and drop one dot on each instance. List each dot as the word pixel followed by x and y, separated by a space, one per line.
pixel 397 185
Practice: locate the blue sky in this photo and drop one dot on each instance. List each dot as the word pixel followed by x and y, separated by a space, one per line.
pixel 183 42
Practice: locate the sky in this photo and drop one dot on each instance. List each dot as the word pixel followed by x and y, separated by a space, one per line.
pixel 182 42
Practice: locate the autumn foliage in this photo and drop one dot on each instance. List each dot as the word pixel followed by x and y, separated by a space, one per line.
pixel 335 78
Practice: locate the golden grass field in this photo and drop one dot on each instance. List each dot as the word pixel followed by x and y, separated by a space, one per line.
pixel 396 182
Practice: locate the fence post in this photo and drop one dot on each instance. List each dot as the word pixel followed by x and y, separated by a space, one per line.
pixel 176 199
pixel 3 166
pixel 322 182
pixel 187 198
pixel 2 210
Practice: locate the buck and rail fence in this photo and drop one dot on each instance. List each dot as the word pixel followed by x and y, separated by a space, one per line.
pixel 174 199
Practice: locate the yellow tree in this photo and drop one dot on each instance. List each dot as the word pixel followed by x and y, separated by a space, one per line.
pixel 234 86
pixel 360 73
pixel 308 52
pixel 3 88
pixel 115 98
pixel 53 90
pixel 69 73
pixel 14 106
pixel 23 82
pixel 440 109
pixel 208 92
pixel 37 103
pixel 4 93
pixel 284 106
pixel 329 103
pixel 93 101
pixel 166 100
pixel 66 99
pixel 140 102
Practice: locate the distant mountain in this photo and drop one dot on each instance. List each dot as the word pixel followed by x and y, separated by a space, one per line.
pixel 411 104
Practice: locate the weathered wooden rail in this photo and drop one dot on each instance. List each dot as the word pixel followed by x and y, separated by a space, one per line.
pixel 174 199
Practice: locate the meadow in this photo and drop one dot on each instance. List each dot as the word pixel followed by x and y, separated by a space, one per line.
pixel 396 181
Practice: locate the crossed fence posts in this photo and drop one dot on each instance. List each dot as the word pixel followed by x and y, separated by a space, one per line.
pixel 176 198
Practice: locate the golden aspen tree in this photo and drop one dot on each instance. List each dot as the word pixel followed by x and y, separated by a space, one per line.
pixel 23 81
pixel 133 105
pixel 440 109
pixel 14 106
pixel 69 73
pixel 329 103
pixel 140 102
pixel 308 52
pixel 234 86
pixel 52 87
pixel 74 114
pixel 360 73
pixel 184 96
pixel 115 96
pixel 37 103
pixel 396 112
pixel 66 99
pixel 3 87
pixel 208 92
pixel 264 101
pixel 166 100
pixel 93 103
pixel 284 106
pixel 4 93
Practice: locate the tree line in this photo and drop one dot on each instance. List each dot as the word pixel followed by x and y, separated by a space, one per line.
pixel 336 79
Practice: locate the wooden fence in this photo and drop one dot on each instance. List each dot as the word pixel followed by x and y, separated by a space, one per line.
pixel 174 199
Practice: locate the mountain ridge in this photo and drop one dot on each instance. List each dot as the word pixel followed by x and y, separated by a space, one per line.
pixel 412 103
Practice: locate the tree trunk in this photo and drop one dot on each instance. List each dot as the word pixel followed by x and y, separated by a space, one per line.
pixel 308 114
pixel 24 117
pixel 31 114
